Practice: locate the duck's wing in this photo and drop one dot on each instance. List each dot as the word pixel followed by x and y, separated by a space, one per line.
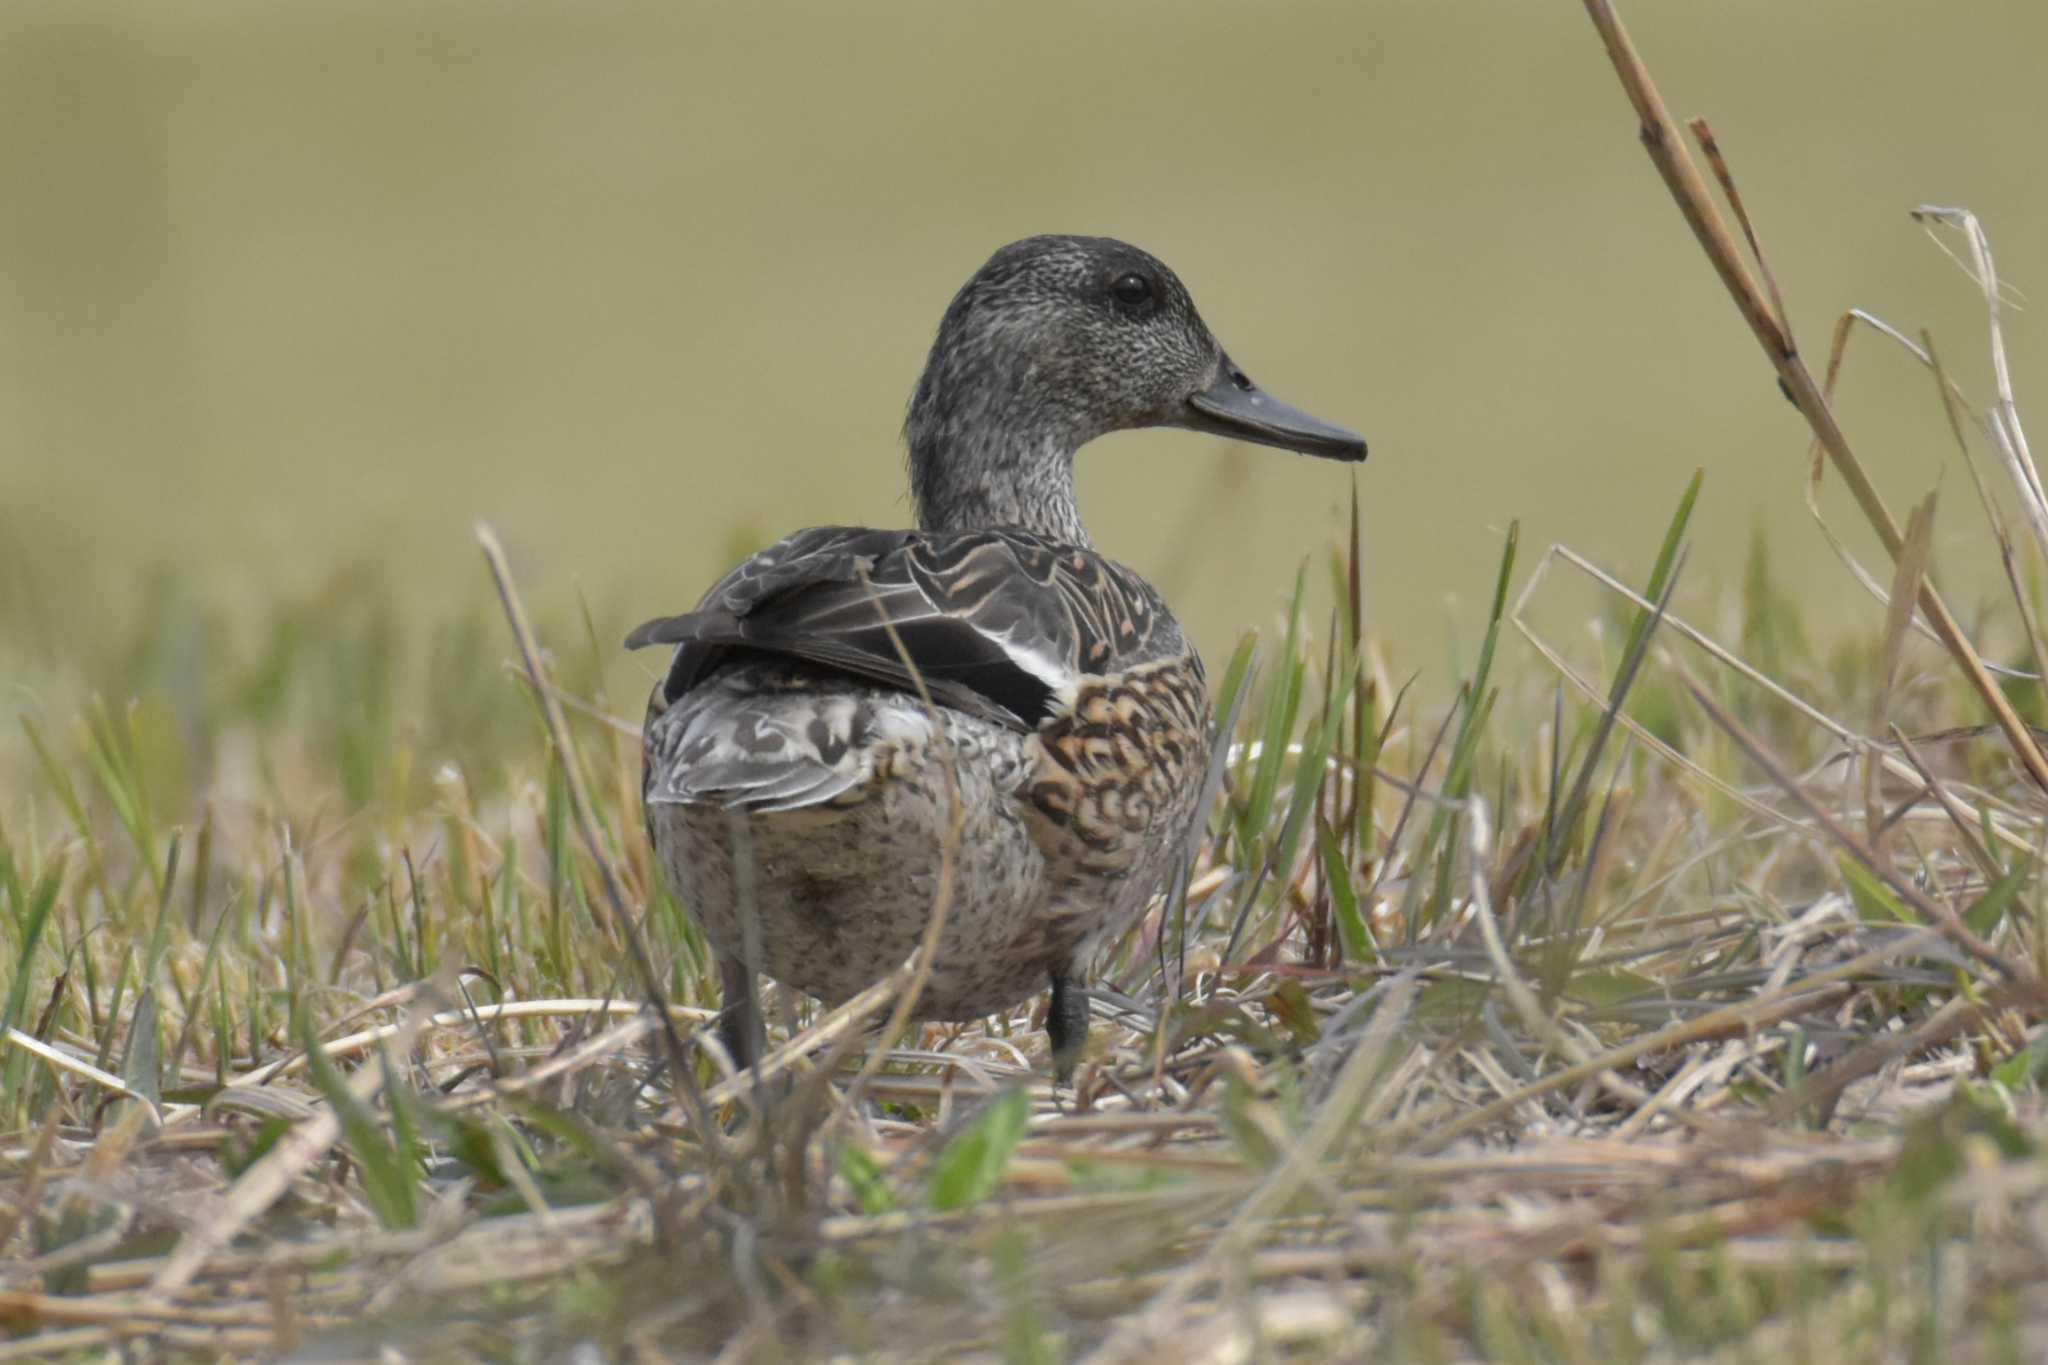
pixel 999 624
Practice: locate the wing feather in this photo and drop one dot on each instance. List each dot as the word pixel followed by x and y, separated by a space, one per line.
pixel 1000 624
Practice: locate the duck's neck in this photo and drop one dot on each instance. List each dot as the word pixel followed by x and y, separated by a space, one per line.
pixel 982 459
pixel 974 483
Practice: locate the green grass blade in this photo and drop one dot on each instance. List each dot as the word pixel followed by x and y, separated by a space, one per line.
pixel 1435 851
pixel 32 919
pixel 1351 929
pixel 970 1167
pixel 1667 559
pixel 1983 915
pixel 390 1187
pixel 142 1067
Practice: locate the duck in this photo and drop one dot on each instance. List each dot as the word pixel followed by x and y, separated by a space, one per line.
pixel 851 708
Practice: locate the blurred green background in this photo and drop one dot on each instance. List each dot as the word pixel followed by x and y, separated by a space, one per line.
pixel 291 287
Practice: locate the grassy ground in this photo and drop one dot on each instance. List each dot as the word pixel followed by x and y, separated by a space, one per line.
pixel 1669 987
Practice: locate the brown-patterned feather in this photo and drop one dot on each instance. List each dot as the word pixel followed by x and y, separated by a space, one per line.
pixel 1116 769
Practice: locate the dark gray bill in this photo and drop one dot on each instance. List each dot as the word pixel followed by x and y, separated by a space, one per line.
pixel 1233 406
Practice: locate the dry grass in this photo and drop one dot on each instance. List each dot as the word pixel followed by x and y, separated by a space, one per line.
pixel 1695 1016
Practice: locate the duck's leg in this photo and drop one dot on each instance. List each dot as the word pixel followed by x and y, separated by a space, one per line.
pixel 739 1020
pixel 1066 1022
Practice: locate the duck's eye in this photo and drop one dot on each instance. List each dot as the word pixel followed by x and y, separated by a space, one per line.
pixel 1131 290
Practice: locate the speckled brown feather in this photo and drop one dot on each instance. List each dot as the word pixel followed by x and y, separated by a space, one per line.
pixel 1106 775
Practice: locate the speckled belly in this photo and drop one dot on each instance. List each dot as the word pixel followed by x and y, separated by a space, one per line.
pixel 1065 836
pixel 832 898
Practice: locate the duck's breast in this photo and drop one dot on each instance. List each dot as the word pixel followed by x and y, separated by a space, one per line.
pixel 1115 782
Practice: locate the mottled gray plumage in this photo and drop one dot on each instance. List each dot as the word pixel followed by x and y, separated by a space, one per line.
pixel 796 788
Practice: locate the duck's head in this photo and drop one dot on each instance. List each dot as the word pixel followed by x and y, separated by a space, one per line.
pixel 1058 340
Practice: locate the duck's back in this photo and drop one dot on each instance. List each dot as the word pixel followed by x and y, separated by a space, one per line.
pixel 801 791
